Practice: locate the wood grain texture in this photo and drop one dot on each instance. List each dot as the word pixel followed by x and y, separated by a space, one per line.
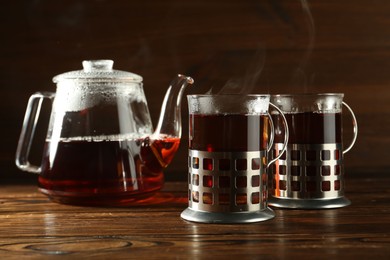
pixel 32 226
pixel 212 41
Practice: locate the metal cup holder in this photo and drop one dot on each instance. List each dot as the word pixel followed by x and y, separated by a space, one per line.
pixel 227 187
pixel 308 176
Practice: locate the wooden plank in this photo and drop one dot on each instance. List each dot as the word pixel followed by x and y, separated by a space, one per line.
pixel 32 226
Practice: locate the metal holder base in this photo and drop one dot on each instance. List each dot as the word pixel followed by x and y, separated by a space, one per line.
pixel 309 203
pixel 227 218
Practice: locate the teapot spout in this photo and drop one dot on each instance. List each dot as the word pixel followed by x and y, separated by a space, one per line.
pixel 169 123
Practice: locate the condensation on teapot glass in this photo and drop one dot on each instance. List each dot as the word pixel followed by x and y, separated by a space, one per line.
pixel 117 96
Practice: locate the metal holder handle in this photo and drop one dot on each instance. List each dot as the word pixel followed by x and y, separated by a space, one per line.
pixel 286 136
pixel 28 130
pixel 272 135
pixel 355 128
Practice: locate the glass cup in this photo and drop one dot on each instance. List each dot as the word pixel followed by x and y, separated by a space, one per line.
pixel 229 141
pixel 310 174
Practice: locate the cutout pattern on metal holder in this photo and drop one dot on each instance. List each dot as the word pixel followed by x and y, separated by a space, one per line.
pixel 227 181
pixel 308 171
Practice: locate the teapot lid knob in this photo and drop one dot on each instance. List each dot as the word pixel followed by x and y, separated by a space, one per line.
pixel 92 65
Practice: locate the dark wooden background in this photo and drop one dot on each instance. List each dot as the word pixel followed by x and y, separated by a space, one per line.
pixel 267 46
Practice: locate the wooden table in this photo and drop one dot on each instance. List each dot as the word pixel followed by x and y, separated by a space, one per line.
pixel 32 226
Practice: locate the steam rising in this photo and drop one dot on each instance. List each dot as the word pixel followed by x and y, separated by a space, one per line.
pixel 253 73
pixel 300 75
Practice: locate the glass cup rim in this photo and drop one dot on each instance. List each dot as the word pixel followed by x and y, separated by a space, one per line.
pixel 228 104
pixel 228 95
pixel 309 94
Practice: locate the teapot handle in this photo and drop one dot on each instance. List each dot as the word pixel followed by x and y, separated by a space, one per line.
pixel 28 130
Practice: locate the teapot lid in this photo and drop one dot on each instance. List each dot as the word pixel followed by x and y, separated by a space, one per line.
pixel 98 70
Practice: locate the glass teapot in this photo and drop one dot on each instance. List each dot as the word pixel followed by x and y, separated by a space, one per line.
pixel 100 147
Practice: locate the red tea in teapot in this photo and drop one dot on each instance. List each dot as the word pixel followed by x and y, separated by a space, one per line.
pixel 109 171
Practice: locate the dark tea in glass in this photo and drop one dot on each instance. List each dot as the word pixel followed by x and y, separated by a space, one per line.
pixel 310 127
pixel 228 132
